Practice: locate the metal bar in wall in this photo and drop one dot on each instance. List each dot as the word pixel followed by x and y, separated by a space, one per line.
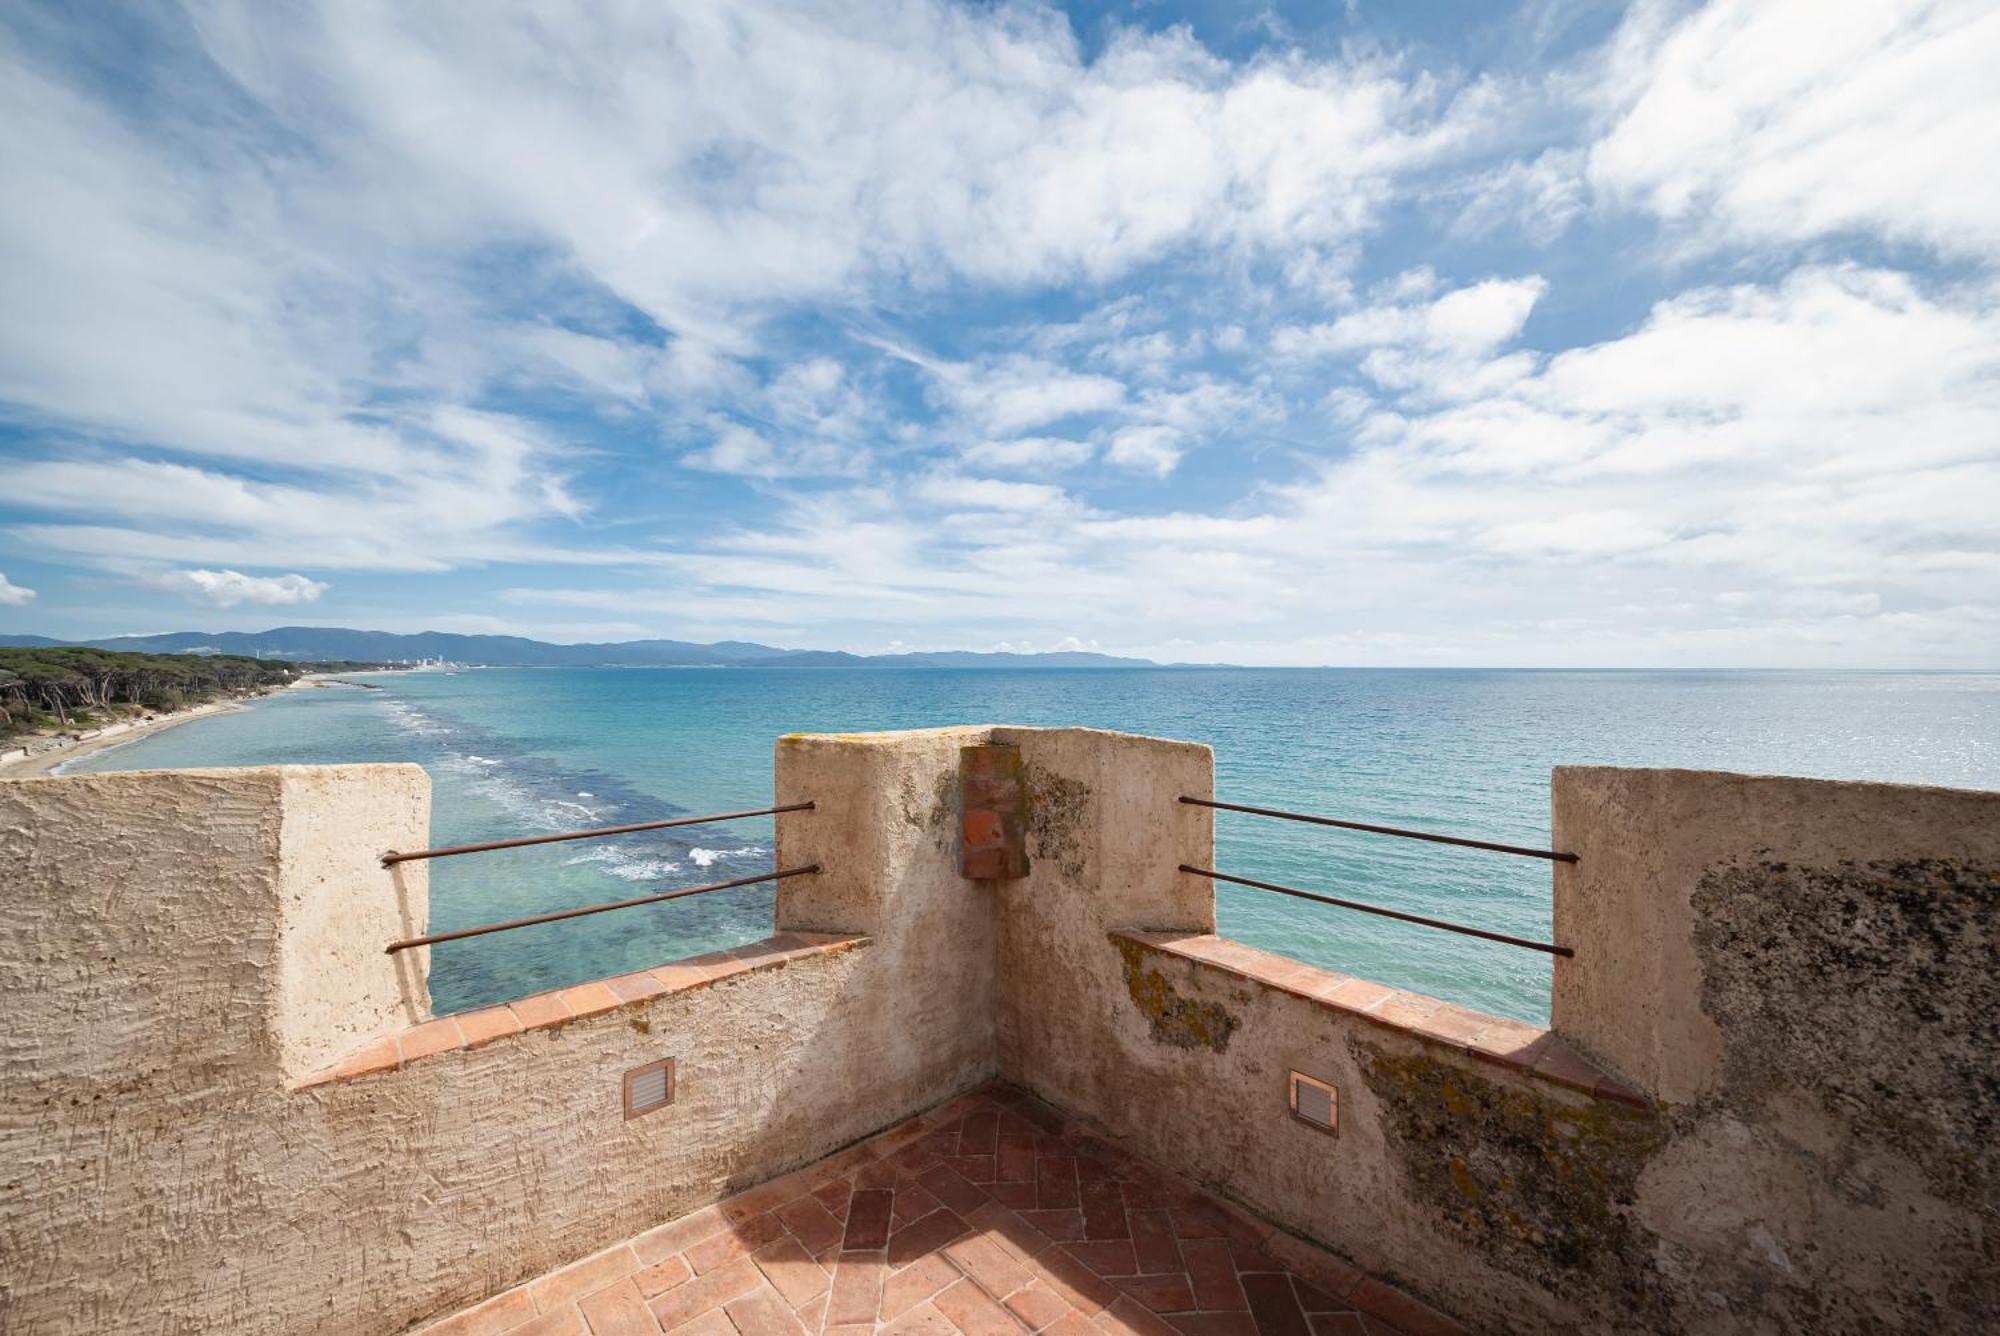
pixel 1529 943
pixel 391 858
pixel 1553 855
pixel 559 914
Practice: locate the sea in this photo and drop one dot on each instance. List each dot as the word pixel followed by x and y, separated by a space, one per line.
pixel 1462 752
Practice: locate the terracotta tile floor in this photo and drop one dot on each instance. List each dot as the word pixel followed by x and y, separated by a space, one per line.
pixel 993 1213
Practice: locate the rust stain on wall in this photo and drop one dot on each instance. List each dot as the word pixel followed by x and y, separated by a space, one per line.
pixel 1538 1185
pixel 1178 1021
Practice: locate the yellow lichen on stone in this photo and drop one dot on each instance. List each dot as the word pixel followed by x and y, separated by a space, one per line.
pixel 1175 1020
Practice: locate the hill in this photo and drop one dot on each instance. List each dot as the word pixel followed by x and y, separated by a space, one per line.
pixel 328 642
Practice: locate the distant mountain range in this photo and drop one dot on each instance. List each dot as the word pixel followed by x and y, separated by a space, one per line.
pixel 329 642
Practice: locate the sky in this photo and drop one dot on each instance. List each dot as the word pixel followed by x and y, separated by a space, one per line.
pixel 1565 334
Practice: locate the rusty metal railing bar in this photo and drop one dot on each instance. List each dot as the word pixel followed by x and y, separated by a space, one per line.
pixel 1553 855
pixel 532 920
pixel 1529 943
pixel 392 858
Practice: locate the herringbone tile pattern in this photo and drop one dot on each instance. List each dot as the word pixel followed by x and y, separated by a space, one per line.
pixel 993 1214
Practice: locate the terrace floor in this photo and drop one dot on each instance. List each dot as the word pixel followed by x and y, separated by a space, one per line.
pixel 993 1213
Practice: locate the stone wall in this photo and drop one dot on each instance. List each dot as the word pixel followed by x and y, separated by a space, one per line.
pixel 1807 973
pixel 181 948
pixel 1767 1102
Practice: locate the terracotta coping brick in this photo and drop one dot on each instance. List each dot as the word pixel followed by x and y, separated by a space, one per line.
pixel 431 1037
pixel 539 1010
pixel 474 1029
pixel 1406 1314
pixel 588 999
pixel 1512 1045
pixel 487 1024
pixel 636 987
pixel 383 1055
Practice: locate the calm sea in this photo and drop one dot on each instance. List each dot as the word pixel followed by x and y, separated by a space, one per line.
pixel 1462 752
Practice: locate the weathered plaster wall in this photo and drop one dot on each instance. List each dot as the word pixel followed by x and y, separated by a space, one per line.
pixel 1105 833
pixel 885 829
pixel 1489 1191
pixel 337 989
pixel 1806 971
pixel 1802 972
pixel 178 943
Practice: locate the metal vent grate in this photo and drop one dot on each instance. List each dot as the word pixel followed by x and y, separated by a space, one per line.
pixel 1315 1102
pixel 649 1087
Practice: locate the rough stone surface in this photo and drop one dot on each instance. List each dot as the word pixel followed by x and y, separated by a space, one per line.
pixel 1520 1175
pixel 1176 1020
pixel 337 987
pixel 1819 977
pixel 1798 976
pixel 162 1175
pixel 1632 994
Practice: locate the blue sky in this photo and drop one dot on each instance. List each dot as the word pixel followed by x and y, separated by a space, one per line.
pixel 1562 334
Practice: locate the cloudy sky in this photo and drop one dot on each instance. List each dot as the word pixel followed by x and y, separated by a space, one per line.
pixel 1574 333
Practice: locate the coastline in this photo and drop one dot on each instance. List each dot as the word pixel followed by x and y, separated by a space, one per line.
pixel 52 759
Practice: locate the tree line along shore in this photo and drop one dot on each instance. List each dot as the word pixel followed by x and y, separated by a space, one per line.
pixel 57 689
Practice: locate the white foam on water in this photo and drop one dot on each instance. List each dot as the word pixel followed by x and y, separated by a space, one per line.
pixel 412 720
pixel 626 865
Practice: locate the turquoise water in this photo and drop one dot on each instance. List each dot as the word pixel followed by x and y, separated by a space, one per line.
pixel 1462 752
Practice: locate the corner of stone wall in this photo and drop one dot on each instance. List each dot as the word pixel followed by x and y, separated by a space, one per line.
pixel 884 830
pixel 339 908
pixel 1106 837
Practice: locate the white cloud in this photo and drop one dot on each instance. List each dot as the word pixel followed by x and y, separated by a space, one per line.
pixel 297 352
pixel 1541 196
pixel 1014 394
pixel 467 481
pixel 1785 120
pixel 1466 321
pixel 1794 473
pixel 1030 454
pixel 991 494
pixel 735 449
pixel 713 228
pixel 187 297
pixel 226 589
pixel 1155 450
pixel 13 595
pixel 916 143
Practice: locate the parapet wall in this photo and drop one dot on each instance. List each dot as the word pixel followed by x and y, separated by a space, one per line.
pixel 1766 1102
pixel 185 951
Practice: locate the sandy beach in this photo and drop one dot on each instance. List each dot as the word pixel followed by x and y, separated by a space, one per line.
pixel 116 735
